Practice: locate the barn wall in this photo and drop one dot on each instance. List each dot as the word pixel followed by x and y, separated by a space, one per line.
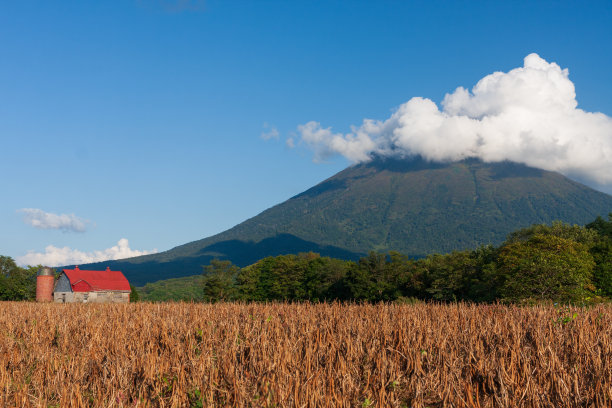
pixel 112 297
pixel 63 284
pixel 60 297
pixel 109 297
pixel 92 297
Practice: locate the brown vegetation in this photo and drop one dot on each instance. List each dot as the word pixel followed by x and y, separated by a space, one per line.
pixel 283 355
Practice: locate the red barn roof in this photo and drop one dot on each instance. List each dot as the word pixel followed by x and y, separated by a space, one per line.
pixel 93 281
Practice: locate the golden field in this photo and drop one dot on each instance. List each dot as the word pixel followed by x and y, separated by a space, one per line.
pixel 304 355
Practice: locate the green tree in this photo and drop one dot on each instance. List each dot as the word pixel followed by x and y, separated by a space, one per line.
pixel 247 283
pixel 484 283
pixel 576 233
pixel 320 276
pixel 603 227
pixel 445 274
pixel 546 267
pixel 17 283
pixel 381 277
pixel 134 295
pixel 602 274
pixel 219 281
pixel 274 278
pixel 358 283
pixel 602 253
pixel 461 275
pixel 406 276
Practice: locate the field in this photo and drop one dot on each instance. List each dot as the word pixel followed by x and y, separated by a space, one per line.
pixel 304 355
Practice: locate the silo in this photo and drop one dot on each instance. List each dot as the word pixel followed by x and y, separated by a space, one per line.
pixel 44 285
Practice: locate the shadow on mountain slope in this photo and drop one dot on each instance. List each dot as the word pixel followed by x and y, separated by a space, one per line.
pixel 240 252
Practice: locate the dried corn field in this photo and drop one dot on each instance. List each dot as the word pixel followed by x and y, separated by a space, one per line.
pixel 283 355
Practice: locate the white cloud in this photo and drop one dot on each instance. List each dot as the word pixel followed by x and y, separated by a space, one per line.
pixel 54 256
pixel 44 220
pixel 270 132
pixel 356 146
pixel 527 115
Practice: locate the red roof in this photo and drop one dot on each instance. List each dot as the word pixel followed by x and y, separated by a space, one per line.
pixel 92 281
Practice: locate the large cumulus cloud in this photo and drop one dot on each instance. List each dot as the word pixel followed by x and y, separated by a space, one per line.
pixel 528 115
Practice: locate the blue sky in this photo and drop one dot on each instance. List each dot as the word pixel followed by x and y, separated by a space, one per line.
pixel 143 119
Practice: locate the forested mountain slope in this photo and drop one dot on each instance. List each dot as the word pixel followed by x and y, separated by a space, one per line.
pixel 411 206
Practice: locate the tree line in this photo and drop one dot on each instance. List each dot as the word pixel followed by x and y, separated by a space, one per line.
pixel 559 262
pixel 17 283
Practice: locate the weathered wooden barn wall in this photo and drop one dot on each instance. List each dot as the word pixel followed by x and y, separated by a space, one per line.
pixel 92 297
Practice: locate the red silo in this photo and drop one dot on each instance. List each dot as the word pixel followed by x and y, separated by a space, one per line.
pixel 44 285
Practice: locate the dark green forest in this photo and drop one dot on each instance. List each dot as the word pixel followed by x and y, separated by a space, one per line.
pixel 559 262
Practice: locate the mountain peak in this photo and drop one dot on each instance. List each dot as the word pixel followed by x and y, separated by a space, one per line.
pixel 409 205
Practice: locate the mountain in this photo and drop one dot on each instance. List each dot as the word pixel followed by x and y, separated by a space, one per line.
pixel 411 206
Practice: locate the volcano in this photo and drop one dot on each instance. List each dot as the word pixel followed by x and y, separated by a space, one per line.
pixel 411 206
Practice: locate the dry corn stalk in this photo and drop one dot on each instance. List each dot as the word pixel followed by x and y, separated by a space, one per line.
pixel 304 355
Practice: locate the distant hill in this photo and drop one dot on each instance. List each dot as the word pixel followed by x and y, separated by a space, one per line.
pixel 411 206
pixel 188 288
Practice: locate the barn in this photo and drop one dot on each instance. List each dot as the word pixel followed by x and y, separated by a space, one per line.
pixel 76 285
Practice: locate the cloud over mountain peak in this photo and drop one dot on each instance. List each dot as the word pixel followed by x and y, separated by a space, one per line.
pixel 527 115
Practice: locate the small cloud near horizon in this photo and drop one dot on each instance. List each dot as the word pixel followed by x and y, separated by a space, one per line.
pixel 270 132
pixel 528 115
pixel 54 256
pixel 40 219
